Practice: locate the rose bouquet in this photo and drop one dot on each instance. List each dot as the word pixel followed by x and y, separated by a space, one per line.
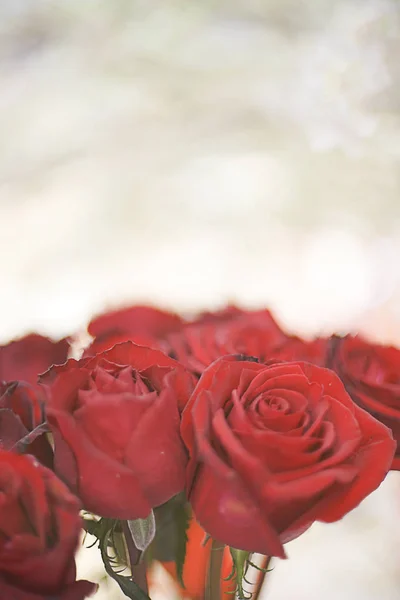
pixel 203 444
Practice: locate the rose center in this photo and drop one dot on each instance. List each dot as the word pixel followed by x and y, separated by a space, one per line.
pixel 271 403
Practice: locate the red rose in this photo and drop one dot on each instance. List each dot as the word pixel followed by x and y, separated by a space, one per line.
pixel 296 349
pixel 371 375
pixel 140 324
pixel 224 314
pixel 22 421
pixel 115 422
pixel 39 531
pixel 249 333
pixel 26 358
pixel 275 448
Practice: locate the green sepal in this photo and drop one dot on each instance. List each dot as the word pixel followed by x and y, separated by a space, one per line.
pixel 240 561
pixel 251 564
pixel 126 583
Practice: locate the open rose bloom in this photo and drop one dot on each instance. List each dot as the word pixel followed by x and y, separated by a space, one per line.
pixel 193 443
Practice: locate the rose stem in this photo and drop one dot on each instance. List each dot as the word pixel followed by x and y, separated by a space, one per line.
pixel 138 569
pixel 265 562
pixel 213 582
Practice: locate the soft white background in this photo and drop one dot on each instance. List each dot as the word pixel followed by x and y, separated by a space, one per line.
pixel 192 153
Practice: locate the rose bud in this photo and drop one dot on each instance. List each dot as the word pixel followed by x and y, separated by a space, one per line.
pixel 371 375
pixel 22 421
pixel 39 533
pixel 296 349
pixel 115 420
pixel 253 333
pixel 143 325
pixel 25 359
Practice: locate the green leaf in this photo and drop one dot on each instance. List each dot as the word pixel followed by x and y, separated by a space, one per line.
pixel 172 522
pixel 143 531
pixel 182 518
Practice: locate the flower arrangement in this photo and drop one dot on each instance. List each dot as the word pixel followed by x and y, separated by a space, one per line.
pixel 204 444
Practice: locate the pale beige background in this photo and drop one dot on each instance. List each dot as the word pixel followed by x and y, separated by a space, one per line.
pixel 190 153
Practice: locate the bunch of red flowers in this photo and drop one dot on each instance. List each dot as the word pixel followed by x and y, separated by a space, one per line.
pixel 222 426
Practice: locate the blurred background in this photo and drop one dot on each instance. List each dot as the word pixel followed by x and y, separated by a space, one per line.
pixel 191 153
